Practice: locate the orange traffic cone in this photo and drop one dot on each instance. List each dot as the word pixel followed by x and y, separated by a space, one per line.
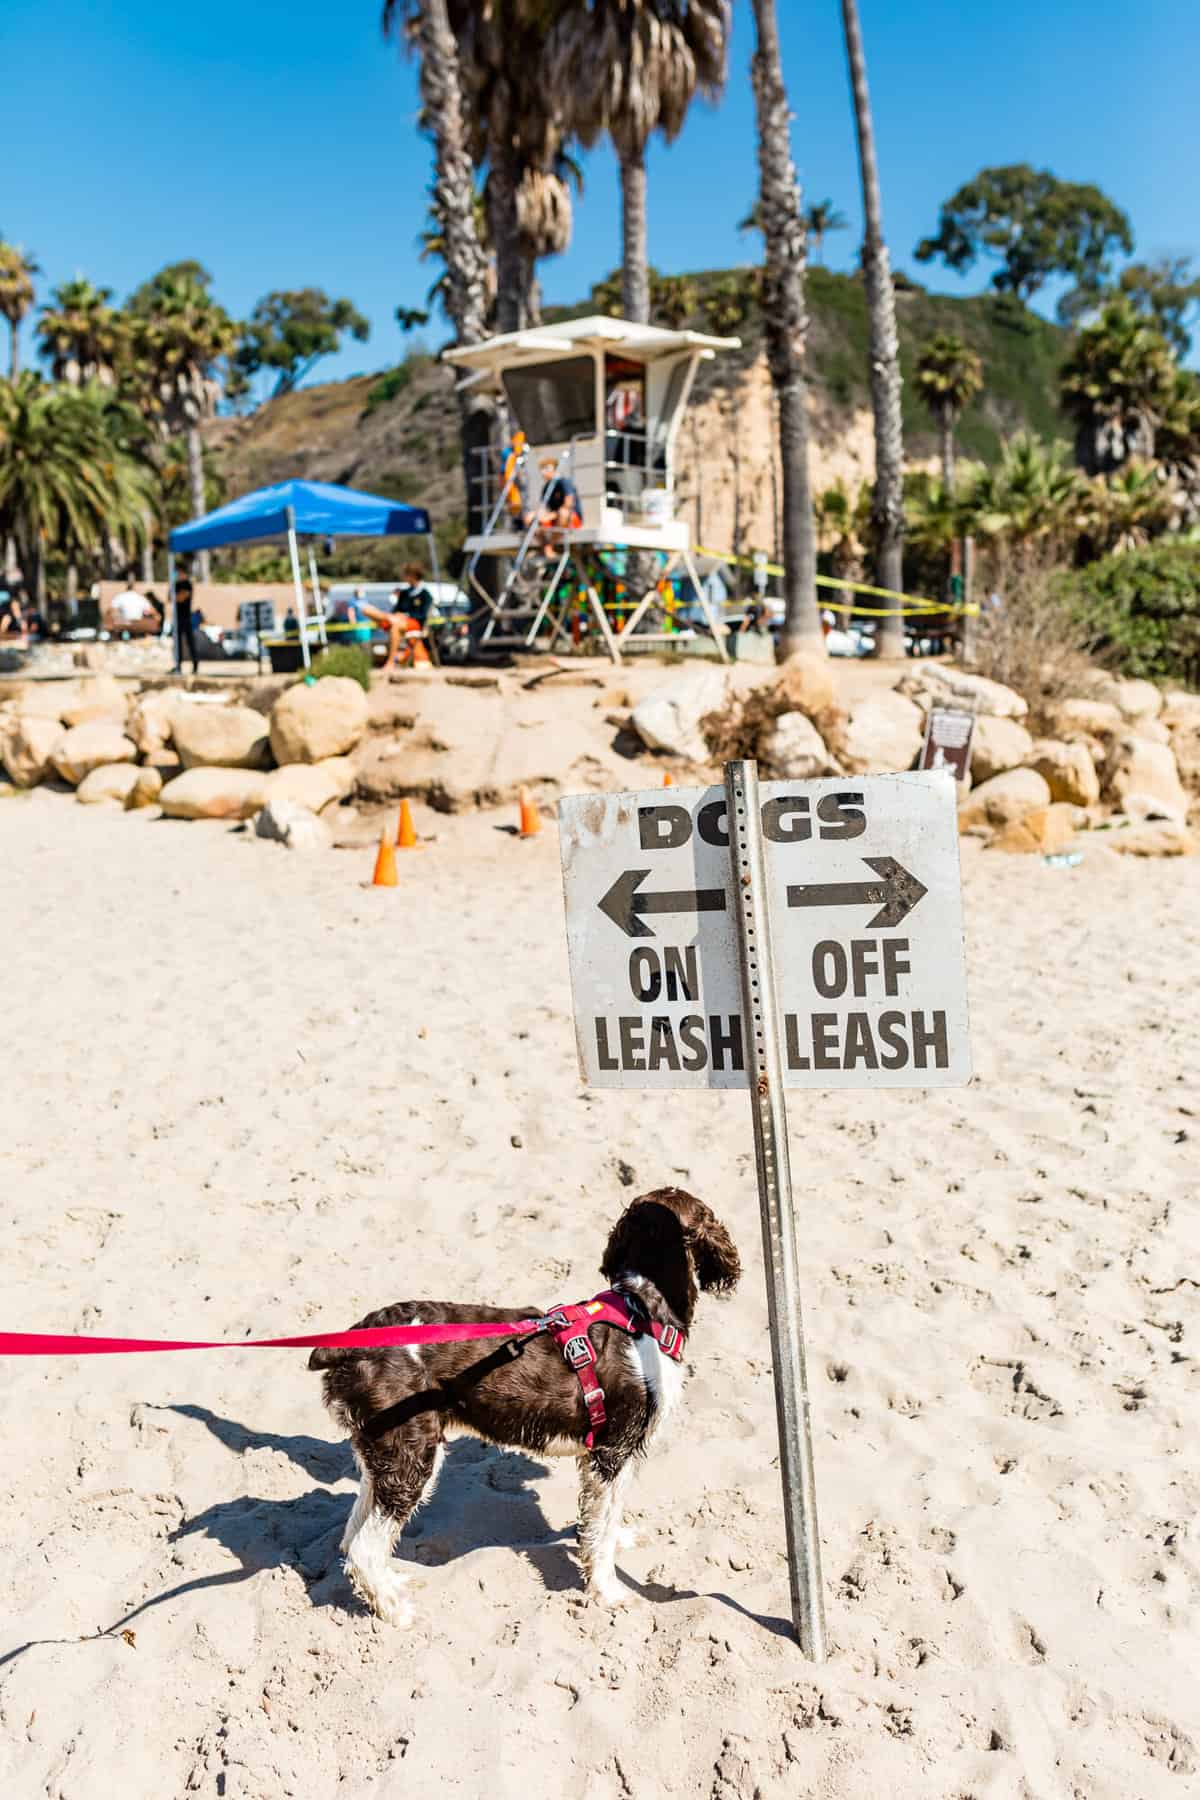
pixel 531 818
pixel 668 778
pixel 385 864
pixel 406 836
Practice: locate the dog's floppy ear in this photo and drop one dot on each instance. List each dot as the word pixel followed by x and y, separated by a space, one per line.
pixel 718 1265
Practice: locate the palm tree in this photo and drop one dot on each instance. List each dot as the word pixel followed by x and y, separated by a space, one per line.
pixel 424 27
pixel 66 477
pixel 1177 444
pixel 820 219
pixel 17 270
pixel 178 335
pixel 948 375
pixel 888 506
pixel 80 334
pixel 629 68
pixel 785 323
pixel 1031 498
pixel 672 299
pixel 544 222
pixel 1116 384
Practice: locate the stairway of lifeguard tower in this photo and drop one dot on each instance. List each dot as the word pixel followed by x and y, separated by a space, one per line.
pixel 585 480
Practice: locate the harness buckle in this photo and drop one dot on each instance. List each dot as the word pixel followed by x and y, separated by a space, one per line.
pixel 579 1351
pixel 669 1339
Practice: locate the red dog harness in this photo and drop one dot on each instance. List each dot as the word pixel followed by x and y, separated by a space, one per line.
pixel 570 1327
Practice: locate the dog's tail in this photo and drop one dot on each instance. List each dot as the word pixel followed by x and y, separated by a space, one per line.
pixel 328 1356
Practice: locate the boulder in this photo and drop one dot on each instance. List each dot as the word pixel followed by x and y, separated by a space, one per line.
pixel 1134 700
pixel 145 790
pixel 214 794
pixel 309 724
pixel 1164 837
pixel 297 827
pixel 794 750
pixel 998 744
pixel 1186 745
pixel 1046 831
pixel 112 782
pixel 313 785
pixel 87 747
pixel 1144 807
pixel 149 722
pixel 89 656
pixel 48 699
pixel 1181 712
pixel 99 698
pixel 669 718
pixel 1139 766
pixel 1095 718
pixel 1004 798
pixel 883 736
pixel 808 682
pixel 1067 769
pixel 933 684
pixel 27 741
pixel 221 737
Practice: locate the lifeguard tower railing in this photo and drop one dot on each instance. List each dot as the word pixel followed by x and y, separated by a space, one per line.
pixel 634 465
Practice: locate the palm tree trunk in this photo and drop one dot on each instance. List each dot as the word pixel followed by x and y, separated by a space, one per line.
pixel 503 181
pixel 785 323
pixel 887 503
pixel 195 456
pixel 947 423
pixel 14 357
pixel 635 273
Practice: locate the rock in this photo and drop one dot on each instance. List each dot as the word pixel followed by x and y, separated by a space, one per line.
pixel 1166 837
pixel 1153 730
pixel 221 737
pixel 1144 807
pixel 1181 712
pixel 1046 831
pixel 794 750
pixel 311 724
pixel 87 747
pixel 669 718
pixel 89 656
pixel 997 744
pixel 1098 718
pixel 314 785
pixel 1138 766
pixel 1004 798
pixel 1134 700
pixel 48 699
pixel 214 794
pixel 1186 745
pixel 145 790
pixel 933 684
pixel 26 743
pixel 149 722
pixel 883 736
pixel 112 781
pixel 295 826
pixel 1067 769
pixel 99 698
pixel 808 682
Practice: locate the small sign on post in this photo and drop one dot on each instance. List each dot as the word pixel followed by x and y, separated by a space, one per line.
pixel 802 934
pixel 948 735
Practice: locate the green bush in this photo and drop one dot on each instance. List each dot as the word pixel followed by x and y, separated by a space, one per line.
pixel 388 386
pixel 350 660
pixel 1143 608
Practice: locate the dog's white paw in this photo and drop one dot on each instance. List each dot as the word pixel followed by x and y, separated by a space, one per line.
pixel 394 1608
pixel 609 1593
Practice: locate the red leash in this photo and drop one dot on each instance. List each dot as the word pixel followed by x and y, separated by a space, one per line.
pixel 39 1343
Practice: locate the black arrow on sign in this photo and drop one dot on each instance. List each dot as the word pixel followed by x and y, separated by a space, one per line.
pixel 895 893
pixel 625 906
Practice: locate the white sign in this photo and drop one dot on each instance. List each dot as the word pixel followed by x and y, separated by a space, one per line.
pixel 866 925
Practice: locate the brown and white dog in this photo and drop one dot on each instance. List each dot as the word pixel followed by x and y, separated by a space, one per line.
pixel 400 1405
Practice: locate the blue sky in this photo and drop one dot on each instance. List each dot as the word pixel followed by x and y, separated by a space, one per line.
pixel 277 143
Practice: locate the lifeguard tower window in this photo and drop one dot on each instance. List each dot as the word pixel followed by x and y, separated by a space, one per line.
pixel 553 401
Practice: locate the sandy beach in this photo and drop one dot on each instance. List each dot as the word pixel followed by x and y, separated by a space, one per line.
pixel 247 1095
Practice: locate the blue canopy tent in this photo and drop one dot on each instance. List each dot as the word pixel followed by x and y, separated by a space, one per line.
pixel 296 509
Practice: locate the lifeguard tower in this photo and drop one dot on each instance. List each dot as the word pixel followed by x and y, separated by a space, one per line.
pixel 601 399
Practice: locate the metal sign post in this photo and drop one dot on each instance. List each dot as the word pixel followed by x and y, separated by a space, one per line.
pixel 677 906
pixel 764 1067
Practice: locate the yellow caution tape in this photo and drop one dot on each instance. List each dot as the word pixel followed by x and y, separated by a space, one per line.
pixel 909 603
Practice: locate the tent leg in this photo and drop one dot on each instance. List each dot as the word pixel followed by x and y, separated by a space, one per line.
pixel 318 609
pixel 301 614
pixel 174 627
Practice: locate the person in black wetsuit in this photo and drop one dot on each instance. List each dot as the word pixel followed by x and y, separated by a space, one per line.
pixel 185 625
